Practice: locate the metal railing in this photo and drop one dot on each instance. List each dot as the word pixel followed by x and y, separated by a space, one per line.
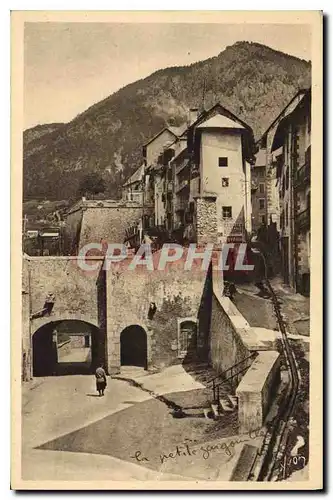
pixel 231 375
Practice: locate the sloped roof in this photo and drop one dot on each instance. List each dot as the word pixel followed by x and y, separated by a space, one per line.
pixel 292 104
pixel 221 110
pixel 136 176
pixel 261 158
pixel 303 96
pixel 220 121
pixel 176 131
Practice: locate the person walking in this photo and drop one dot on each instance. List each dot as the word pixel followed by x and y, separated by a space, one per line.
pixel 100 380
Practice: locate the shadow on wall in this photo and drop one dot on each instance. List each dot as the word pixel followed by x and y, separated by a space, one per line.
pixel 194 337
pixel 46 360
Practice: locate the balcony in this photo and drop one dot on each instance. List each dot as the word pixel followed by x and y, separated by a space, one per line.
pixel 303 174
pixel 182 185
pixel 182 165
pixel 303 219
pixel 180 205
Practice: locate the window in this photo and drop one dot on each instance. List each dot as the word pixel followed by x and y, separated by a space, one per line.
pixel 225 182
pixel 223 161
pixel 227 212
pixel 287 215
pixel 287 179
pixel 262 172
pixel 261 187
pixel 261 203
pixel 263 219
pixel 187 336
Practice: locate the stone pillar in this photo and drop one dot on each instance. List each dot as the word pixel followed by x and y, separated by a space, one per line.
pixel 113 356
pixel 206 219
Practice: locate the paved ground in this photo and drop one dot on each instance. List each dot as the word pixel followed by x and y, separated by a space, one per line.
pixel 258 311
pixel 70 433
pixel 77 354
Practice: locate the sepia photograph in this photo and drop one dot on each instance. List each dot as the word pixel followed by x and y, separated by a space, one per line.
pixel 166 276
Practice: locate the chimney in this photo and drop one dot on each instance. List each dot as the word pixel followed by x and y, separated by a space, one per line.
pixel 192 115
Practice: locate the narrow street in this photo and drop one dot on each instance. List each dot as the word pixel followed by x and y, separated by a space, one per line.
pixel 258 311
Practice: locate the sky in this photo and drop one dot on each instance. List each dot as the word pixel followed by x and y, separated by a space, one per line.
pixel 70 66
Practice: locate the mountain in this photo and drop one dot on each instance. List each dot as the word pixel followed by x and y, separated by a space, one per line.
pixel 253 81
pixel 34 133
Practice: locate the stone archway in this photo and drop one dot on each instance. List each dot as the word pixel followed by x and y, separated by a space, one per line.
pixel 61 348
pixel 133 346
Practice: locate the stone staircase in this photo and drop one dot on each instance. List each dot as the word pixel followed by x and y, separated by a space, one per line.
pixel 219 387
pixel 211 408
pixel 222 407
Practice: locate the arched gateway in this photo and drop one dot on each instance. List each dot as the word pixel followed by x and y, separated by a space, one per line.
pixel 67 347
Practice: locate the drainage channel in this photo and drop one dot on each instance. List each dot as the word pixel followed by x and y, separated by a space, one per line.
pixel 177 411
pixel 272 453
pixel 279 449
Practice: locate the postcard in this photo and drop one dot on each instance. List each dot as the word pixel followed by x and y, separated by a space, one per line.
pixel 167 250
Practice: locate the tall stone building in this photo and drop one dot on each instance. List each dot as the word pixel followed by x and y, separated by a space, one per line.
pixel 258 191
pixel 199 179
pixel 273 153
pixel 156 154
pixel 212 179
pixel 293 141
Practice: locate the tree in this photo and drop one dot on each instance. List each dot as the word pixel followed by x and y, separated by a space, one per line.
pixel 92 183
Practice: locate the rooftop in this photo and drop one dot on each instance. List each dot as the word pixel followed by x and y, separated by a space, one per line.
pixel 176 131
pixel 220 121
pixel 260 158
pixel 136 176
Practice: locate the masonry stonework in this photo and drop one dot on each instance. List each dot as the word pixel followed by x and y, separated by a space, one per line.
pixel 226 346
pixel 257 390
pixel 176 293
pixel 90 221
pixel 206 220
pixel 74 288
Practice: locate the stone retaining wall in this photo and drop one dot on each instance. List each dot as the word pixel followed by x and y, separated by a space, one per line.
pixel 257 389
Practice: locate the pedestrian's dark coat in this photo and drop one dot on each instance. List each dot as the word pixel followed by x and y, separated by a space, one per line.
pixel 100 378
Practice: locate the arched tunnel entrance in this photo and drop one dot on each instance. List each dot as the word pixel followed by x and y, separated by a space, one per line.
pixel 133 346
pixel 67 347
